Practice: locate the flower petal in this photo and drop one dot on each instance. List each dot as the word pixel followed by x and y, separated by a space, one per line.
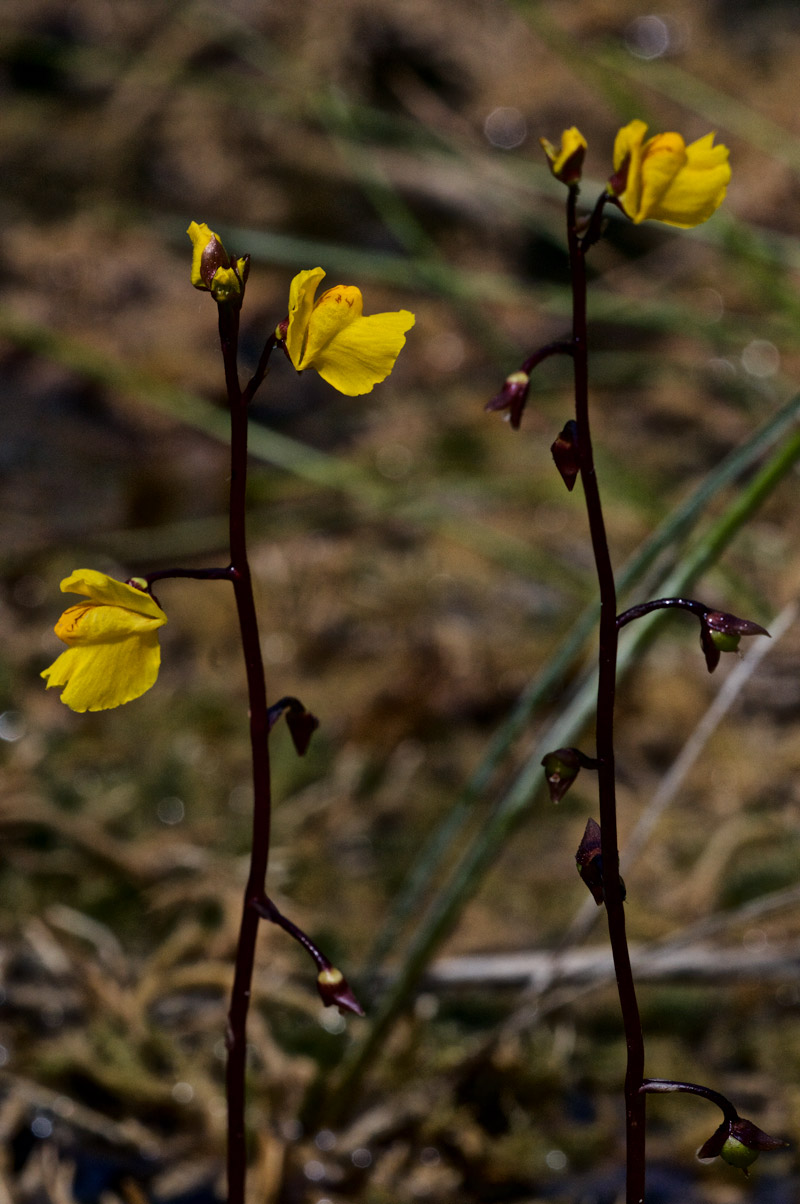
pixel 628 141
pixel 301 305
pixel 105 591
pixel 363 353
pixel 336 309
pixel 97 677
pixel 712 1148
pixel 88 623
pixel 699 189
pixel 628 165
pixel 202 237
pixel 663 158
pixel 226 284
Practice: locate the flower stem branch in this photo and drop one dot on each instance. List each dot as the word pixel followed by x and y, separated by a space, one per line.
pixel 645 608
pixel 667 1086
pixel 594 227
pixel 331 983
pixel 737 1140
pixel 559 347
pixel 268 911
pixel 261 370
pixel 220 574
pixel 607 668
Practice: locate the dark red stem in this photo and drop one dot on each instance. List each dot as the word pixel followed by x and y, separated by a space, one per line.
pixel 607 667
pixel 236 1039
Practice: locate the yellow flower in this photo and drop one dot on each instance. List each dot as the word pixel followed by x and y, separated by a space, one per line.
pixel 212 268
pixel 350 352
pixel 667 180
pixel 113 654
pixel 566 161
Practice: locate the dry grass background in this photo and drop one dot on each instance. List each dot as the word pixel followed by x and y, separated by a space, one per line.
pixel 408 603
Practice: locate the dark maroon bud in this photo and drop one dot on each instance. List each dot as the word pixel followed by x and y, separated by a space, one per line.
pixel 335 991
pixel 565 454
pixel 590 862
pixel 512 397
pixel 213 258
pixel 301 723
pixel 281 329
pixel 561 769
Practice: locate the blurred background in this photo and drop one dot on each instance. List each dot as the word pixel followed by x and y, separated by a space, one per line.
pixel 421 570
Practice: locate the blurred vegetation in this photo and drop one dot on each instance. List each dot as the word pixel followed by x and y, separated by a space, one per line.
pixel 421 573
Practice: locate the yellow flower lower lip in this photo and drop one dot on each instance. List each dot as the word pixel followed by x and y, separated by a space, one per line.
pixel 112 652
pixel 351 352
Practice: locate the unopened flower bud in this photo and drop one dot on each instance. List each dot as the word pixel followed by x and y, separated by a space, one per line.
pixel 512 397
pixel 589 861
pixel 212 268
pixel 566 161
pixel 565 454
pixel 334 990
pixel 561 769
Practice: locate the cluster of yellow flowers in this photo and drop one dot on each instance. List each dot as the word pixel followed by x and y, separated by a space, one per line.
pixel 661 179
pixel 351 352
pixel 112 653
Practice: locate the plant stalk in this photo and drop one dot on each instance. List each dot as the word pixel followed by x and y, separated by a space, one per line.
pixel 606 688
pixel 236 1040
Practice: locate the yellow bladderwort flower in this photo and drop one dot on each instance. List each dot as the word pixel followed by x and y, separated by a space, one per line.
pixel 212 267
pixel 350 352
pixel 113 654
pixel 666 180
pixel 566 161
